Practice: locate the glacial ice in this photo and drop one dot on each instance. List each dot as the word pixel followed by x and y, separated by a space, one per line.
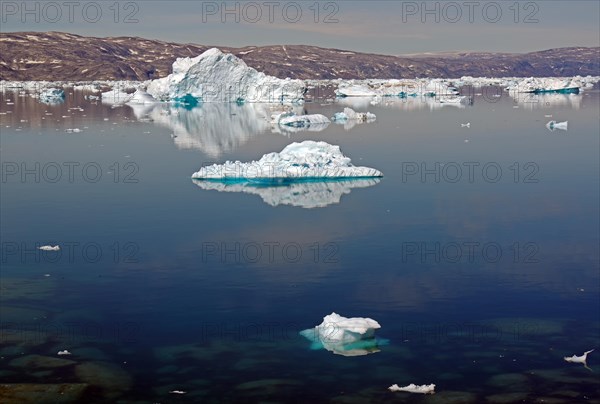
pixel 218 77
pixel 307 195
pixel 289 122
pixel 141 97
pixel 306 161
pixel 344 336
pixel 413 388
pixel 52 96
pixel 579 359
pixel 115 96
pixel 553 125
pixel 49 248
pixel 351 115
pixel 395 88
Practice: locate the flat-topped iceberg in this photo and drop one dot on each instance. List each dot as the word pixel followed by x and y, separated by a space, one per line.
pixel 306 161
pixel 539 85
pixel 307 195
pixel 413 388
pixel 394 88
pixel 344 336
pixel 218 77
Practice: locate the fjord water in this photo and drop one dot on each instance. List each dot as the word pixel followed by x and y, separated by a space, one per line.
pixel 482 281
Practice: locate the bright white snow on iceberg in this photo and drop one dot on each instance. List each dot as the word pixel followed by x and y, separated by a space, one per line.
pixel 413 388
pixel 344 336
pixel 304 161
pixel 218 77
pixel 49 248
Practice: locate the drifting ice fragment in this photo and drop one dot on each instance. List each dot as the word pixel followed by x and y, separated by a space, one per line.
pixel 65 352
pixel 344 336
pixel 299 121
pixel 52 96
pixel 49 248
pixel 306 161
pixel 177 392
pixel 413 388
pixel 579 359
pixel 465 125
pixel 351 115
pixel 553 125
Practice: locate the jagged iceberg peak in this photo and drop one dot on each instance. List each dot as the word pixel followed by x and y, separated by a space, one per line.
pixel 307 195
pixel 215 76
pixel 345 336
pixel 309 160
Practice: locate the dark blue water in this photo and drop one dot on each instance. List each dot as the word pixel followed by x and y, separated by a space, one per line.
pixel 477 253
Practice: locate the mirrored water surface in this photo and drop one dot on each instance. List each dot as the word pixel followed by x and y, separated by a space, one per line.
pixel 477 252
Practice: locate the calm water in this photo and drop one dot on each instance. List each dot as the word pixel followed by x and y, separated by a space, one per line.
pixel 483 279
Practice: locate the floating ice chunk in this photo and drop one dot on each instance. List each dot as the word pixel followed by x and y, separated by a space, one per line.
pixel 218 77
pixel 457 99
pixel 306 161
pixel 351 115
pixel 465 125
pixel 413 388
pixel 73 130
pixel 539 85
pixel 177 392
pixel 49 248
pixel 344 336
pixel 307 195
pixel 355 90
pixel 579 359
pixel 553 125
pixel 65 352
pixel 52 96
pixel 300 121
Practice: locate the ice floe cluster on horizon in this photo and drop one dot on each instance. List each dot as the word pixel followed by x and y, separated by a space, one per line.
pixel 308 160
pixel 215 76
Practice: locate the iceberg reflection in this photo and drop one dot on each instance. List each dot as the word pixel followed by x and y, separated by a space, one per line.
pixel 213 128
pixel 308 195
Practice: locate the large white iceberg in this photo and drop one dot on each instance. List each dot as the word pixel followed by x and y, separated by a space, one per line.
pixel 307 195
pixel 553 125
pixel 539 85
pixel 394 88
pixel 306 161
pixel 344 336
pixel 218 77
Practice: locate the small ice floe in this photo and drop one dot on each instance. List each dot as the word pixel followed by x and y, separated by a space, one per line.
pixel 49 248
pixel 413 388
pixel 177 392
pixel 579 359
pixel 344 336
pixel 52 96
pixel 351 115
pixel 465 125
pixel 65 352
pixel 74 130
pixel 553 125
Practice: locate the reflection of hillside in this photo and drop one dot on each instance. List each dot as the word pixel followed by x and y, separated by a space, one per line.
pixel 540 101
pixel 212 128
pixel 305 194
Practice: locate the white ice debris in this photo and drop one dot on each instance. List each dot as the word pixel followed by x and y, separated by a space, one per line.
pixel 218 77
pixel 65 352
pixel 309 160
pixel 413 388
pixel 49 248
pixel 177 392
pixel 579 359
pixel 290 119
pixel 545 85
pixel 465 125
pixel 344 336
pixel 307 195
pixel 394 88
pixel 52 96
pixel 351 115
pixel 553 125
